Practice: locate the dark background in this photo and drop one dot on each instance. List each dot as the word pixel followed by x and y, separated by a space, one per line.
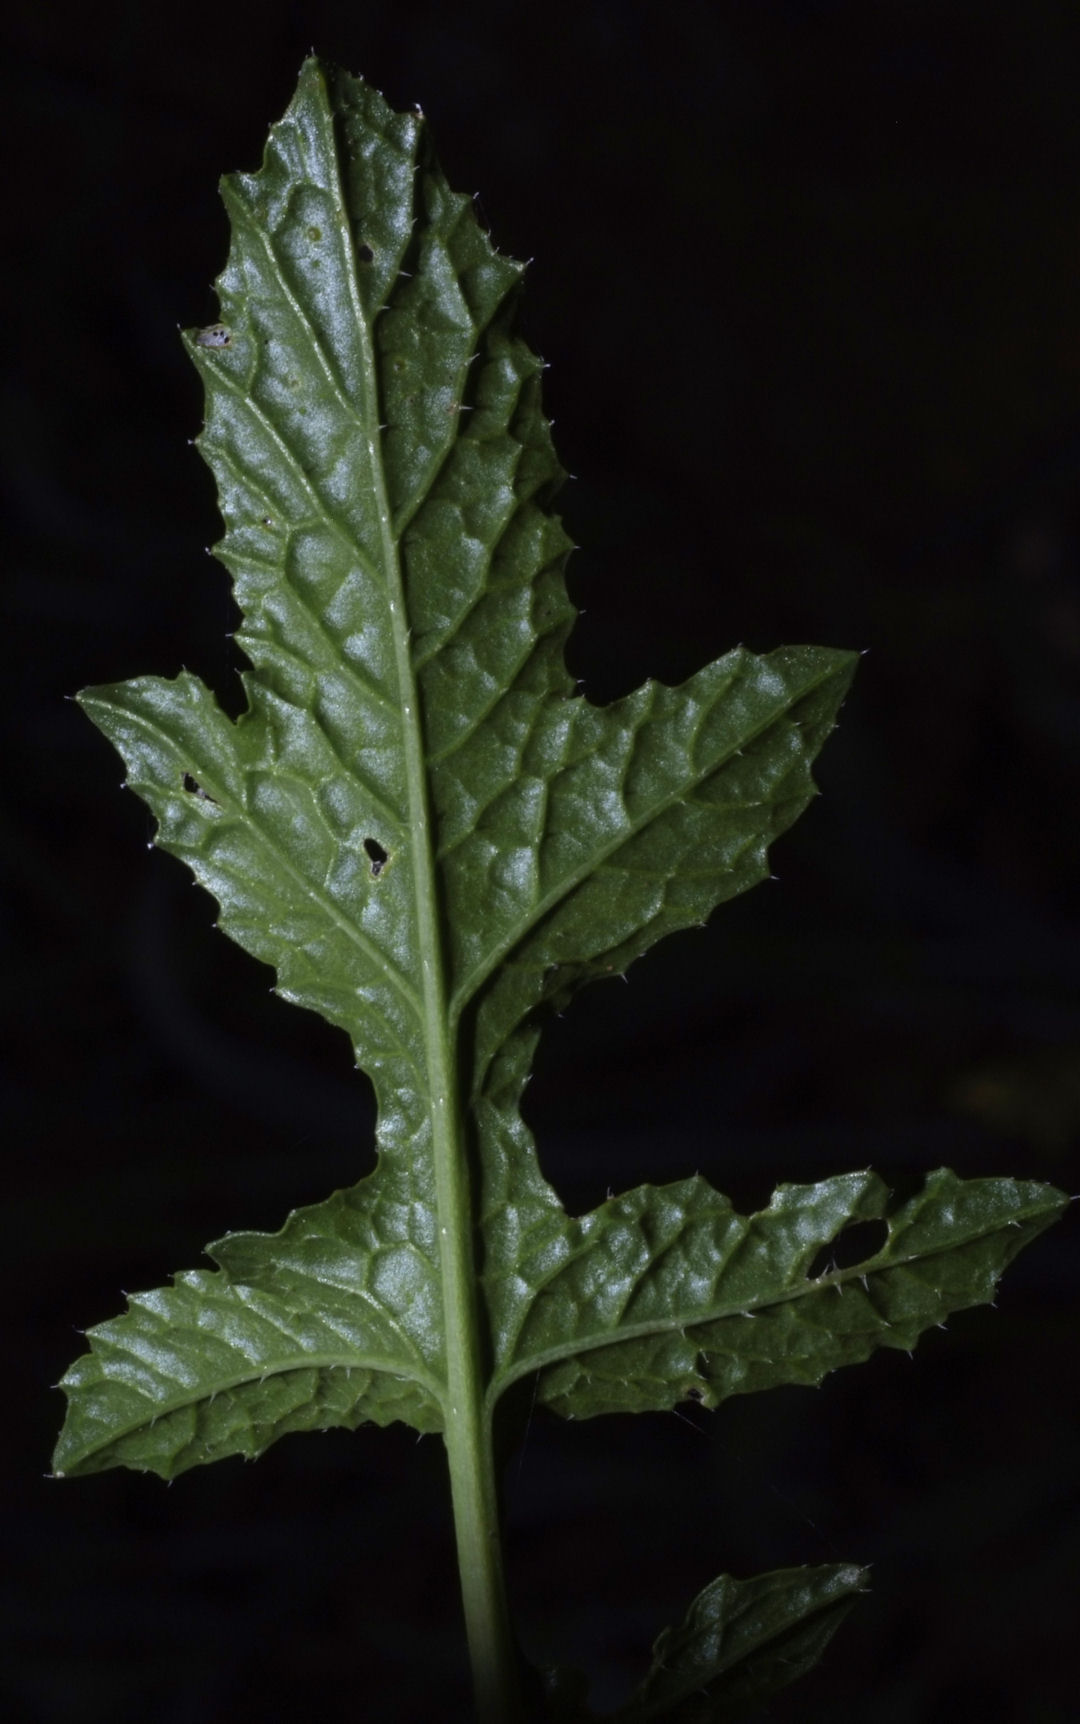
pixel 808 277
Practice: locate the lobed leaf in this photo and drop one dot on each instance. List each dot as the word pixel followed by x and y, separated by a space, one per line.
pixel 662 1295
pixel 666 1293
pixel 335 1321
pixel 417 820
pixel 436 840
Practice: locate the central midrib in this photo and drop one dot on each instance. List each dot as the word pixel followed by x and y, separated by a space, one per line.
pixel 454 1219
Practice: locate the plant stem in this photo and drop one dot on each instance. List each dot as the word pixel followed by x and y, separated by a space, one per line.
pixel 468 1434
pixel 492 1652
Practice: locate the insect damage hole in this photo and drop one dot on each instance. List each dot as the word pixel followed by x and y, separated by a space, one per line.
pixel 194 788
pixel 376 855
pixel 857 1243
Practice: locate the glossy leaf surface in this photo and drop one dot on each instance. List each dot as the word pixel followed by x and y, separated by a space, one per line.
pixel 663 1295
pixel 666 1293
pixel 435 840
pixel 742 1641
pixel 417 821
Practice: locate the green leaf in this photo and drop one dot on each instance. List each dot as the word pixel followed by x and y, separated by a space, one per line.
pixel 314 1328
pixel 742 1641
pixel 417 820
pixel 436 840
pixel 666 1294
pixel 662 1295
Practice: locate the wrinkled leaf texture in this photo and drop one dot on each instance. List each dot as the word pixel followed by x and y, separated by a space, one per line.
pixel 436 840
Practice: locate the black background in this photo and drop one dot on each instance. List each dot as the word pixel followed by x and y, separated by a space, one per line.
pixel 807 276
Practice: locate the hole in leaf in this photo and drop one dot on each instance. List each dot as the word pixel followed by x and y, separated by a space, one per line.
pixel 694 1393
pixel 194 788
pixel 376 856
pixel 854 1245
pixel 364 254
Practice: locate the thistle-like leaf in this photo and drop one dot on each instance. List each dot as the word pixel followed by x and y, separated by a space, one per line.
pixel 662 1295
pixel 435 840
pixel 666 1294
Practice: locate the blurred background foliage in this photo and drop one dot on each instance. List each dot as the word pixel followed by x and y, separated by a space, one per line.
pixel 808 277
